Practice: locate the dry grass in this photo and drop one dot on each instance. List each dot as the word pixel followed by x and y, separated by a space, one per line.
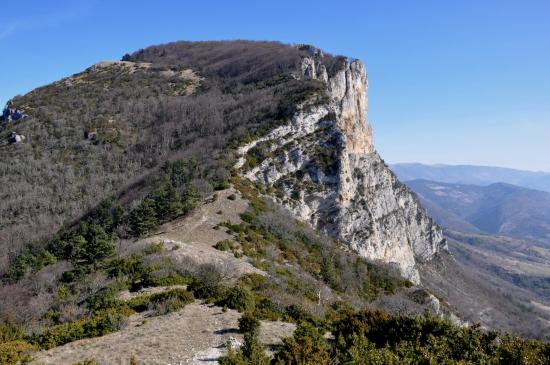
pixel 166 339
pixel 195 335
pixel 194 236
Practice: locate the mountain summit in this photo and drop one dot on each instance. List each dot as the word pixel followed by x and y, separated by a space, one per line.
pixel 325 163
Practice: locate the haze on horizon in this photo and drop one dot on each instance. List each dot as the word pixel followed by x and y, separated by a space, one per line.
pixel 461 82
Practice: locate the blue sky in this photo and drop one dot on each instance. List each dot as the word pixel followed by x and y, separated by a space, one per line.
pixel 449 81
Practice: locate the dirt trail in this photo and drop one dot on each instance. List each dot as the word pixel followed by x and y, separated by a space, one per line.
pixel 197 228
pixel 196 335
pixel 195 235
pixel 174 338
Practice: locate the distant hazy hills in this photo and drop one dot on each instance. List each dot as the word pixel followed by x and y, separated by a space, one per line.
pixel 499 208
pixel 475 175
pixel 497 224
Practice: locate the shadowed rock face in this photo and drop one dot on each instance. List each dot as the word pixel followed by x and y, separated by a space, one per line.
pixel 325 163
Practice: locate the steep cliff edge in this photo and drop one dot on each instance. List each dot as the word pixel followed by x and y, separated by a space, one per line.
pixel 323 166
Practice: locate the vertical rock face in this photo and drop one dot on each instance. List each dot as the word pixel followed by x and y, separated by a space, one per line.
pixel 327 172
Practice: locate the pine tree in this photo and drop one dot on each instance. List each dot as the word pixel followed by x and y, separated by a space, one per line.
pixel 327 271
pixel 143 219
pixel 306 347
pixel 96 246
pixel 168 203
pixel 252 351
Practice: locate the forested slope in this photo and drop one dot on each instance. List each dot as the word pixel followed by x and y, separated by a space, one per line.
pixel 93 134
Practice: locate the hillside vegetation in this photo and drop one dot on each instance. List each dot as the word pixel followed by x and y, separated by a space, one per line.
pixel 100 132
pixel 299 264
pixel 116 155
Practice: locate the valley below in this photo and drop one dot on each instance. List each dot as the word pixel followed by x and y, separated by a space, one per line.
pixel 498 233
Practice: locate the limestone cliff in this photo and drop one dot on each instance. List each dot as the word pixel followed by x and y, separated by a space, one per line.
pixel 326 170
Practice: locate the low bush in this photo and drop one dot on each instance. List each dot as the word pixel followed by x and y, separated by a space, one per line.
pixel 208 284
pixel 162 303
pixel 251 352
pixel 138 275
pixel 239 298
pixel 224 245
pixel 267 310
pixel 15 352
pixel 248 323
pixel 171 301
pixel 173 278
pixel 154 248
pixel 210 293
pixel 106 298
pixel 295 313
pixel 99 325
pixel 30 260
pixel 273 238
pixel 375 337
pixel 306 347
pixel 253 281
pixel 9 331
pixel 139 303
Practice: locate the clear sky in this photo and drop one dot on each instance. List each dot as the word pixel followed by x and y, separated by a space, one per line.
pixel 451 81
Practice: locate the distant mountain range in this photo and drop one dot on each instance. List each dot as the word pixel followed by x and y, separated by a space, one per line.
pixel 474 175
pixel 500 208
pixel 496 226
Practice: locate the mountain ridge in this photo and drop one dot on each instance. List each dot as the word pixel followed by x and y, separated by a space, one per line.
pixel 473 174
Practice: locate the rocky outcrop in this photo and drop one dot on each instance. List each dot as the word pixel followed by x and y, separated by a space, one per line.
pixel 10 113
pixel 15 138
pixel 328 173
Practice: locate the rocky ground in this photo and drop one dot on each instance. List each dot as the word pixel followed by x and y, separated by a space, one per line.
pixel 195 335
